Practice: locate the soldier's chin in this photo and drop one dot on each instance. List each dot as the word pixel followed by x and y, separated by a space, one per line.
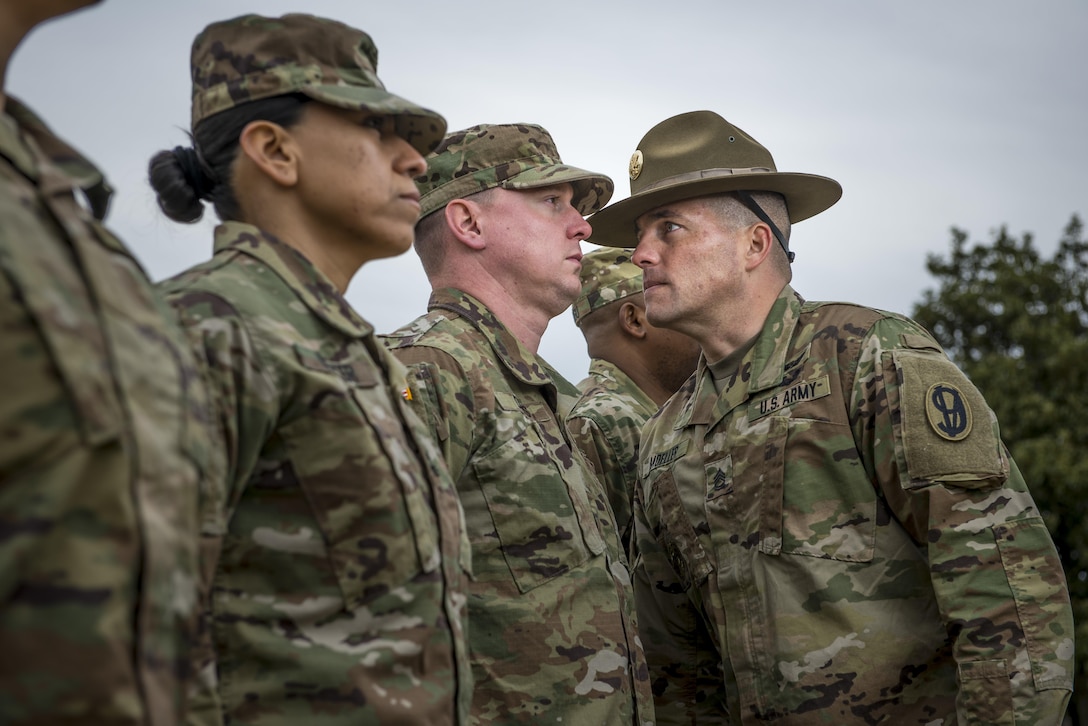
pixel 658 316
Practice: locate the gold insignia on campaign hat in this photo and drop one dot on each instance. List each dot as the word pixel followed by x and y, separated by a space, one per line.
pixel 634 168
pixel 700 153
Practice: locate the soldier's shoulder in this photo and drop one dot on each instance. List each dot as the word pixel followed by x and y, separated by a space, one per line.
pixel 852 319
pixel 214 274
pixel 854 313
pixel 599 400
pixel 588 401
pixel 226 287
pixel 243 280
pixel 410 333
pixel 196 285
pixel 435 329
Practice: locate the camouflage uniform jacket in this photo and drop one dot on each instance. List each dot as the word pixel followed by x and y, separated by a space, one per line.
pixel 106 435
pixel 553 636
pixel 842 532
pixel 335 553
pixel 605 424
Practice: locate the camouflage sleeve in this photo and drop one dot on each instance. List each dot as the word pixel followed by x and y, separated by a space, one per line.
pixel 244 391
pixel 595 446
pixel 442 398
pixel 934 447
pixel 246 408
pixel 685 670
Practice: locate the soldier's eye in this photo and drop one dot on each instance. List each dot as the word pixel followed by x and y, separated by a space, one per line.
pixel 376 122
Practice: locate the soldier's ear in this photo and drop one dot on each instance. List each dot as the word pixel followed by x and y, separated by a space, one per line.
pixel 272 150
pixel 463 220
pixel 761 242
pixel 632 319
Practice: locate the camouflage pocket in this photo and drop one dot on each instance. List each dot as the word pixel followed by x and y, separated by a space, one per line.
pixel 527 486
pixel 673 530
pixel 985 693
pixel 364 482
pixel 407 467
pixel 65 337
pixel 1037 581
pixel 826 503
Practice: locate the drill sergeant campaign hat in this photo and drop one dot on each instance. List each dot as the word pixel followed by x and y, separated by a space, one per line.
pixel 608 275
pixel 700 153
pixel 511 156
pixel 251 57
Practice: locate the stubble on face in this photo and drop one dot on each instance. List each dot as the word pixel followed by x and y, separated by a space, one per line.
pixel 689 265
pixel 538 233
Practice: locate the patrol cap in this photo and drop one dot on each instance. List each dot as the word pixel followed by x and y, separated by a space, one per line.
pixel 608 275
pixel 511 156
pixel 252 57
pixel 700 153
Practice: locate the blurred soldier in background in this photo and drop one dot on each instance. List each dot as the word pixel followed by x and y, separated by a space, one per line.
pixel 634 367
pixel 105 437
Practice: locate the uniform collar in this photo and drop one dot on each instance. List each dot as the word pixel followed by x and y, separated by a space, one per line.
pixel 28 144
pixel 523 364
pixel 312 287
pixel 611 377
pixel 764 366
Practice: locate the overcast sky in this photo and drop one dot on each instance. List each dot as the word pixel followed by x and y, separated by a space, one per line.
pixel 930 113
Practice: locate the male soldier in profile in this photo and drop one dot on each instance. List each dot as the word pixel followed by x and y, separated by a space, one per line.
pixel 828 493
pixel 634 367
pixel 551 634
pixel 105 439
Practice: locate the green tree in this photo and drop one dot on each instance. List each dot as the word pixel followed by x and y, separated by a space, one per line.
pixel 1016 323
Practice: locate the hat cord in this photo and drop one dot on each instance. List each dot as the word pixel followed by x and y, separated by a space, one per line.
pixel 753 206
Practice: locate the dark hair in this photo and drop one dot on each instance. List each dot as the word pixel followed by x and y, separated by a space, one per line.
pixel 186 176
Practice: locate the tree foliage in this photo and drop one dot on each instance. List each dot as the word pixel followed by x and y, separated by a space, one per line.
pixel 1016 323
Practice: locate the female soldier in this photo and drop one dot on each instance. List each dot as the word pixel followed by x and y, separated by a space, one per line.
pixel 333 556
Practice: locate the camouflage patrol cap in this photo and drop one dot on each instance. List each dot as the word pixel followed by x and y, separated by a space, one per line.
pixel 608 275
pixel 251 57
pixel 511 156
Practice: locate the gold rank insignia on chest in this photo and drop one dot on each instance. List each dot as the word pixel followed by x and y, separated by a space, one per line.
pixel 786 397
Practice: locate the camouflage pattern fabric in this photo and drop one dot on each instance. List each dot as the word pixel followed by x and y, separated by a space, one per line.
pixel 107 434
pixel 335 554
pixel 841 514
pixel 252 57
pixel 608 275
pixel 553 635
pixel 510 156
pixel 605 424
